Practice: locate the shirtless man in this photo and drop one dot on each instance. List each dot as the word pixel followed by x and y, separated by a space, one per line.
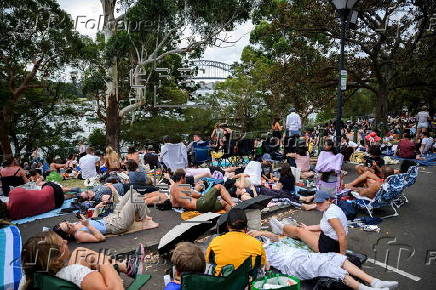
pixel 369 183
pixel 182 196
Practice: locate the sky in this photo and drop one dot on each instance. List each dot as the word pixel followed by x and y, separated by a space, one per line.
pixel 86 17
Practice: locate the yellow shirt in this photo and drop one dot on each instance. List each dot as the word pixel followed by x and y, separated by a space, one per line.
pixel 233 248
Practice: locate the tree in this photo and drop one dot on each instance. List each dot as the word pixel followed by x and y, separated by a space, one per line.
pixel 36 40
pixel 289 66
pixel 179 27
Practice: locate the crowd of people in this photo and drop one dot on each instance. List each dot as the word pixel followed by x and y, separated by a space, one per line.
pixel 120 190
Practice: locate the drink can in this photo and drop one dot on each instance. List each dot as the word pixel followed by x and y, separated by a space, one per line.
pixel 90 212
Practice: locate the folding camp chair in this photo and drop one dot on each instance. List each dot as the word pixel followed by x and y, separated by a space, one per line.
pixel 10 257
pixel 43 281
pixel 235 280
pixel 390 190
pixel 200 153
pixel 408 180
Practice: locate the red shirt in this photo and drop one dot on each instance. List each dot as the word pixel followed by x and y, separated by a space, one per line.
pixel 25 203
pixel 406 149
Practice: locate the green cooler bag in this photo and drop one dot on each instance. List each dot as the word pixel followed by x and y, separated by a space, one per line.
pixel 276 279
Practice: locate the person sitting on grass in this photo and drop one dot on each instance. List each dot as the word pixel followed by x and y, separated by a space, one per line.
pixel 186 258
pixel 306 265
pixel 47 253
pixel 132 207
pixel 368 183
pixel 183 196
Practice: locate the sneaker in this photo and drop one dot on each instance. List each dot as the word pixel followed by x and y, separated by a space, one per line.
pixel 384 284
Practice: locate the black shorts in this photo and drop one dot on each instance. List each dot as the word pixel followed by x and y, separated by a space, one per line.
pixel 58 194
pixel 327 244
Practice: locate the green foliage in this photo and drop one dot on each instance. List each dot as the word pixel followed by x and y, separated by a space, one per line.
pixel 97 139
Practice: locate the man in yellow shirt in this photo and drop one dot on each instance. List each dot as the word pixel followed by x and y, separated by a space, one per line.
pixel 234 247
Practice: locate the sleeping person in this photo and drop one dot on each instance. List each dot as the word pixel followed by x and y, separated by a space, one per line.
pixel 294 258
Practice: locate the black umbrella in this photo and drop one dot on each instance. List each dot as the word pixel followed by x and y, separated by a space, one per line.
pixel 187 231
pixel 258 202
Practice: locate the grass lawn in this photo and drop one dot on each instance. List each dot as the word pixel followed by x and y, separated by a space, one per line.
pixel 72 183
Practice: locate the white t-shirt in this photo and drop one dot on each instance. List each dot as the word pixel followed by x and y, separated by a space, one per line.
pixel 333 212
pixel 422 117
pixel 87 166
pixel 74 273
pixel 254 169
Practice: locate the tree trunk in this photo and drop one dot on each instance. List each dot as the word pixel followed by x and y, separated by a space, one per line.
pixel 6 118
pixel 381 102
pixel 113 123
pixel 113 120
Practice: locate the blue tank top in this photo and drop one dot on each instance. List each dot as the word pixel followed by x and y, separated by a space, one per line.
pixel 98 224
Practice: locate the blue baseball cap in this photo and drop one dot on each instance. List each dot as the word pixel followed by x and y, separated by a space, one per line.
pixel 321 196
pixel 267 157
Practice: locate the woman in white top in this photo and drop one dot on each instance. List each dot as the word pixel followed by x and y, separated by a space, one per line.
pixel 48 253
pixel 329 236
pixel 422 117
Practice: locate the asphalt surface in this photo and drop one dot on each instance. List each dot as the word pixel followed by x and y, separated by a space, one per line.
pixel 406 242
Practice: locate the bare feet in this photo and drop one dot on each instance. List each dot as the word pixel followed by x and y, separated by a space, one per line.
pixel 308 206
pixel 149 224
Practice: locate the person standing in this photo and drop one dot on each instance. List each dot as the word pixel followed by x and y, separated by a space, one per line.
pixel 293 124
pixel 422 117
pixel 277 128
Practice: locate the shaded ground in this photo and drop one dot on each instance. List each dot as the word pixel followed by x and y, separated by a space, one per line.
pixel 407 242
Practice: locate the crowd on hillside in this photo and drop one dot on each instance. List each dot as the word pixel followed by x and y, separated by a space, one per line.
pixel 281 165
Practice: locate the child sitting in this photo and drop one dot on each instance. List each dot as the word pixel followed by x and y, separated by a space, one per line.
pixel 186 257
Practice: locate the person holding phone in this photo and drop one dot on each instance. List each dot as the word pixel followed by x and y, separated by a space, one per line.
pixel 132 207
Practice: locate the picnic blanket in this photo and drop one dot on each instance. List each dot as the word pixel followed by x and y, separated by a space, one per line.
pixel 56 212
pixel 187 215
pixel 10 253
pixel 430 160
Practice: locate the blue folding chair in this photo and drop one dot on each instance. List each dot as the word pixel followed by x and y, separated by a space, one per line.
pixel 201 152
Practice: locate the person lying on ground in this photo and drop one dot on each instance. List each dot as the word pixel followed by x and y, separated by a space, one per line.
pixel 183 196
pixel 48 253
pixel 234 247
pixel 329 236
pixel 305 265
pixel 26 202
pixel 369 183
pixel 131 208
pixel 186 258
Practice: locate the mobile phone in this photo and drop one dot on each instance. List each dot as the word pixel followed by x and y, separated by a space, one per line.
pixel 78 215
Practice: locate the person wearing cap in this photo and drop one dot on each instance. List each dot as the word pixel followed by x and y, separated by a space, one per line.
pixel 293 123
pixel 331 233
pixel 234 247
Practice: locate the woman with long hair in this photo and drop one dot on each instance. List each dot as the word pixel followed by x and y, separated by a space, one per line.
pixel 277 128
pixel 47 253
pixel 112 159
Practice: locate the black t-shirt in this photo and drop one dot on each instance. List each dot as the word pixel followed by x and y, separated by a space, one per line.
pixel 288 183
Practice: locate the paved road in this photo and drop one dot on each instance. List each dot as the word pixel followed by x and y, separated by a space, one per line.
pixel 406 242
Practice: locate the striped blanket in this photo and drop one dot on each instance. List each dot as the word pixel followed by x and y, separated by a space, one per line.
pixel 10 257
